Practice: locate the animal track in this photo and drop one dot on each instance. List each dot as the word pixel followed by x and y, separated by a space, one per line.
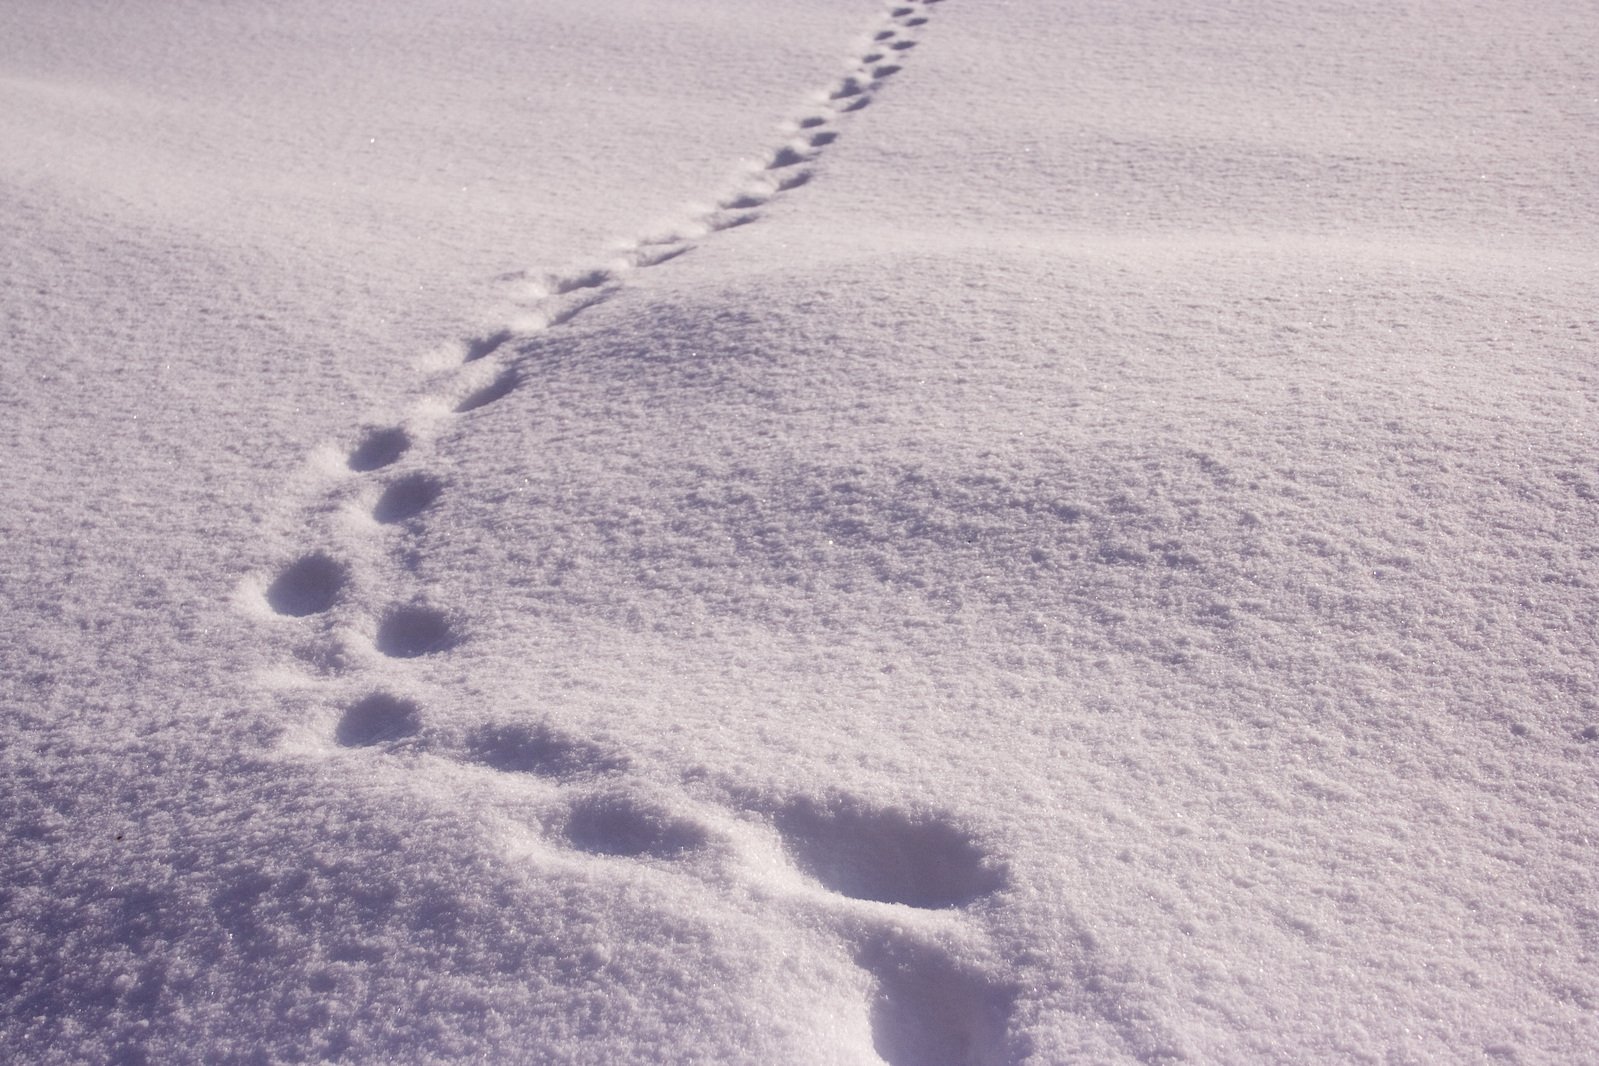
pixel 378 449
pixel 885 855
pixel 307 586
pixel 486 346
pixel 930 1010
pixel 521 749
pixel 615 823
pixel 589 279
pixel 409 632
pixel 378 719
pixel 407 497
pixel 497 389
pixel 892 881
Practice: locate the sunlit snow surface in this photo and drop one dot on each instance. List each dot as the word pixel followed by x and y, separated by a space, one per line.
pixel 949 533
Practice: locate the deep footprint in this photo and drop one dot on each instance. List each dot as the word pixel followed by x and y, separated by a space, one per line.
pixel 377 719
pixel 409 632
pixel 538 749
pixel 379 448
pixel 888 856
pixel 929 1010
pixel 308 586
pixel 614 823
pixel 407 497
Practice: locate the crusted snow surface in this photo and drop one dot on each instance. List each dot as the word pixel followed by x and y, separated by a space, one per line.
pixel 946 534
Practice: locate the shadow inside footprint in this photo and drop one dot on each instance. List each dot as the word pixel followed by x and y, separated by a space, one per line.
pixel 308 586
pixel 488 345
pixel 889 856
pixel 406 497
pixel 498 388
pixel 537 749
pixel 408 632
pixel 929 1010
pixel 379 448
pixel 377 719
pixel 785 157
pixel 588 279
pixel 614 823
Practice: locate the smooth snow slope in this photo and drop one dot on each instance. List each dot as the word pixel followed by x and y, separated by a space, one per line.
pixel 1081 550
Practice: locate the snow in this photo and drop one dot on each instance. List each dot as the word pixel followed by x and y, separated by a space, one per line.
pixel 950 533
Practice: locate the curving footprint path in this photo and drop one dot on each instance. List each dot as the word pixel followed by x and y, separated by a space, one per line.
pixel 897 886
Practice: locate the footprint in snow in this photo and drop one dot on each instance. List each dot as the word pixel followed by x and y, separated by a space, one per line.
pixel 309 585
pixel 407 497
pixel 378 448
pixel 886 856
pixel 413 631
pixel 377 719
pixel 928 1008
pixel 537 749
pixel 486 346
pixel 499 388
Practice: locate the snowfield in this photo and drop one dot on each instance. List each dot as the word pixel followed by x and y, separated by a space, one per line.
pixel 953 533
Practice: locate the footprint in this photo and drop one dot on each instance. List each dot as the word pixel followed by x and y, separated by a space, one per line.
pixel 903 46
pixel 537 749
pixel 407 497
pixel 379 448
pixel 786 156
pixel 794 181
pixel 718 223
pixel 377 719
pixel 848 88
pixel 883 35
pixel 743 201
pixel 657 257
pixel 409 632
pixel 930 1010
pixel 497 389
pixel 886 71
pixel 487 345
pixel 889 856
pixel 615 823
pixel 308 586
pixel 589 279
pixel 810 122
pixel 822 140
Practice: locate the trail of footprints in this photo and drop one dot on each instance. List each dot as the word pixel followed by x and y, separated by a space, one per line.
pixel 861 868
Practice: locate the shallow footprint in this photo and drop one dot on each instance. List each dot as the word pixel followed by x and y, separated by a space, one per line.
pixel 497 389
pixel 406 497
pixel 615 823
pixel 538 749
pixel 889 856
pixel 308 586
pixel 376 719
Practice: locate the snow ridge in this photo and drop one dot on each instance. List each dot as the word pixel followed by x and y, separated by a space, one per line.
pixel 897 887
